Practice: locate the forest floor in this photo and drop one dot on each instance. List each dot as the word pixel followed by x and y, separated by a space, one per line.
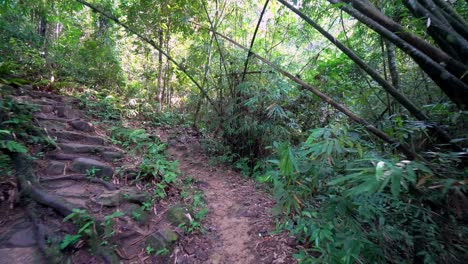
pixel 238 227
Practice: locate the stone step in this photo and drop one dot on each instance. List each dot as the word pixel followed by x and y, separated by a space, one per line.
pixel 77 148
pixel 81 125
pixel 21 255
pixel 66 136
pixel 67 112
pixel 105 155
pixel 55 167
pixel 65 181
pixel 44 116
pixel 91 166
pixel 51 125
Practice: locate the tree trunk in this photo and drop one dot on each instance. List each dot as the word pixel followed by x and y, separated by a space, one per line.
pixel 375 17
pixel 160 71
pixel 452 86
pixel 393 69
pixel 440 30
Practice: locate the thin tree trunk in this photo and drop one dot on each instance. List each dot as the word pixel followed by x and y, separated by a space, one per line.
pixel 160 71
pixel 166 70
pixel 393 69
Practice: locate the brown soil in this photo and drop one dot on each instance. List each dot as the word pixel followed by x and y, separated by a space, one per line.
pixel 239 223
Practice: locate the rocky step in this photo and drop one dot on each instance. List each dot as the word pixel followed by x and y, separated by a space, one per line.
pixel 67 112
pixel 91 167
pixel 41 95
pixel 81 125
pixel 61 181
pixel 66 136
pixel 55 167
pixel 105 155
pixel 49 117
pixel 77 148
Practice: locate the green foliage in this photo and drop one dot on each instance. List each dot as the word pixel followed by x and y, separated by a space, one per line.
pixel 17 131
pixel 346 206
pixel 91 173
pixel 95 233
pixel 154 167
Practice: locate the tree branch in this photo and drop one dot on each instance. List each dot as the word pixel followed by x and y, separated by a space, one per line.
pixel 253 40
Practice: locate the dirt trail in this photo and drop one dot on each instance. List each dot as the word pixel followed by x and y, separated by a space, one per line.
pixel 238 223
pixel 239 220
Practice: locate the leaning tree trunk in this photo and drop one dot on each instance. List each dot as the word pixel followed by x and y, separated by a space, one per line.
pixel 452 79
pixel 440 29
pixel 405 102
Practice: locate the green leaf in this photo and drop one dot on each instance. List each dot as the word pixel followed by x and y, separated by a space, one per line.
pixel 396 178
pixel 69 240
pixel 379 170
pixel 13 146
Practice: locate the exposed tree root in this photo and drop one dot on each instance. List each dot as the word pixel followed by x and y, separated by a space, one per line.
pixel 30 187
pixel 79 177
pixel 39 229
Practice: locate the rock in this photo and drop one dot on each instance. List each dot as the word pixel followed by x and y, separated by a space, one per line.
pixel 111 155
pixel 44 102
pixel 23 238
pixel 135 212
pixel 47 108
pixel 21 255
pixel 163 239
pixel 83 165
pixel 6 89
pixel 81 203
pixel 55 168
pixel 181 147
pixel 74 136
pixel 24 99
pixel 82 125
pixel 66 112
pixel 72 191
pixel 63 156
pixel 115 197
pixel 131 173
pixel 169 235
pixel 82 148
pixel 176 215
pixel 51 125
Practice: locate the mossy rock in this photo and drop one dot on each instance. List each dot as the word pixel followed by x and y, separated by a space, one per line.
pixel 176 215
pixel 163 239
pixel 6 90
pixel 136 213
pixel 116 197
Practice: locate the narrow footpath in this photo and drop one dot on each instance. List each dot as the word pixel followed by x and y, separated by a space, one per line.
pixel 239 222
